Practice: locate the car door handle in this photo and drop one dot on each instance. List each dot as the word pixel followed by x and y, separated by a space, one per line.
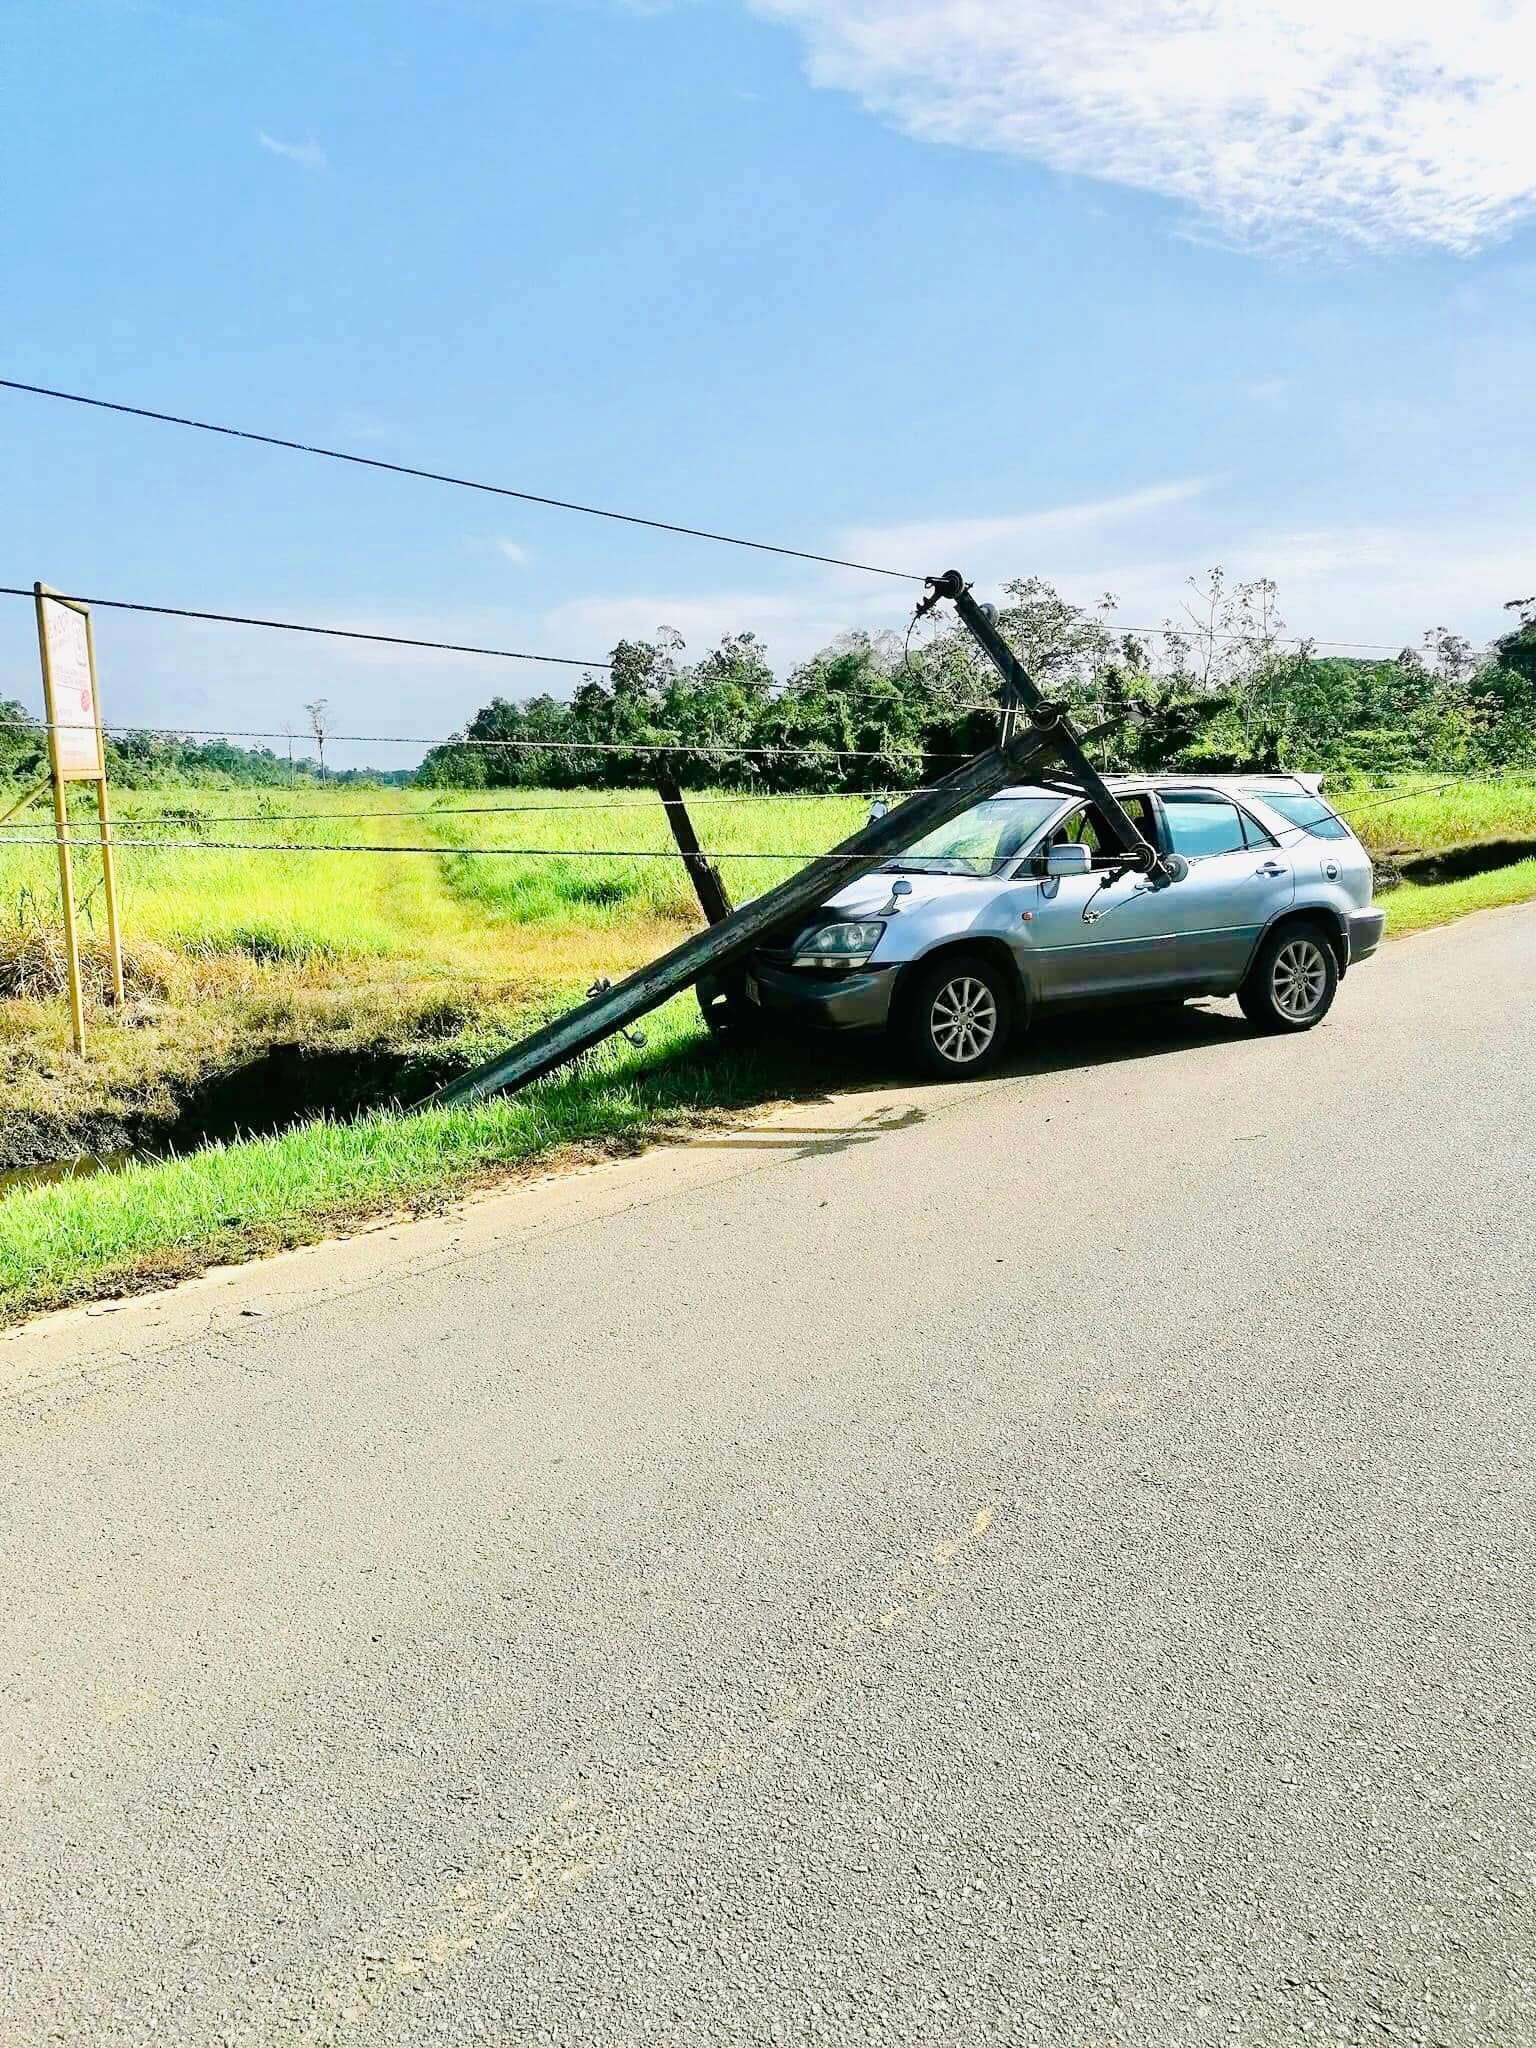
pixel 1272 867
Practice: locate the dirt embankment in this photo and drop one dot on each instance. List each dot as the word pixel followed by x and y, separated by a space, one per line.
pixel 1451 863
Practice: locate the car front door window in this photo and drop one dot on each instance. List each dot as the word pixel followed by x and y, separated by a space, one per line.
pixel 1201 826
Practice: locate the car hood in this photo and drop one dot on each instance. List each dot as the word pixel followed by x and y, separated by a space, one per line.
pixel 870 896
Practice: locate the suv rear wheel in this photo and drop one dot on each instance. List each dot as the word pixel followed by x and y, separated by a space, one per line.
pixel 958 1016
pixel 1292 984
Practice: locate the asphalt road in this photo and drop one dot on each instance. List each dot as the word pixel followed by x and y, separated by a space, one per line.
pixel 1048 1562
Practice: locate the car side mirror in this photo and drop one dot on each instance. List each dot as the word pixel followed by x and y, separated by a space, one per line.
pixel 1070 858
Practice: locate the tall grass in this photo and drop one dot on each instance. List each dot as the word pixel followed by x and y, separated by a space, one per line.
pixel 1418 813
pixel 607 892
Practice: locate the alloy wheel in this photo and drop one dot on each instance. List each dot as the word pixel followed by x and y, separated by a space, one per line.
pixel 1299 980
pixel 963 1020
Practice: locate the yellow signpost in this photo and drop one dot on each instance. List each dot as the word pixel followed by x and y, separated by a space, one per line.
pixel 76 753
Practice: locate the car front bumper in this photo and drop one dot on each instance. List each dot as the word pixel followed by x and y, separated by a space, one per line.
pixel 1365 929
pixel 823 1002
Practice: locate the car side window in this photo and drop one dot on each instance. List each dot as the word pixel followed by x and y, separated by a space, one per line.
pixel 1087 828
pixel 1139 810
pixel 1081 828
pixel 1200 825
pixel 1255 832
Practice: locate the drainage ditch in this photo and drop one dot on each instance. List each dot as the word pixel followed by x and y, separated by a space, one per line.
pixel 283 1087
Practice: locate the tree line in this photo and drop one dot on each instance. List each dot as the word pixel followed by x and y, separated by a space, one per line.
pixel 159 760
pixel 1222 689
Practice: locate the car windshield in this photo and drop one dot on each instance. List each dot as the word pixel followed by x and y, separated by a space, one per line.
pixel 981 841
pixel 1309 812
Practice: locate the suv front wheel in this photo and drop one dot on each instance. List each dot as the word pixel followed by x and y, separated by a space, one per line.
pixel 1292 984
pixel 958 1016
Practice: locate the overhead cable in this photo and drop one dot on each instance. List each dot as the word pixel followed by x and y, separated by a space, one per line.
pixel 463 483
pixel 181 611
pixel 444 850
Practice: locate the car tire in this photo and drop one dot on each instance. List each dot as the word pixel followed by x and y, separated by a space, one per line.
pixel 1292 983
pixel 957 1015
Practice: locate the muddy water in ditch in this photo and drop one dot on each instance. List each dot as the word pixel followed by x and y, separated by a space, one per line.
pixel 285 1086
pixel 13 1177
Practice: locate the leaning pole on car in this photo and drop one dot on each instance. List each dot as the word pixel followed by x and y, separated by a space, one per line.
pixel 1048 733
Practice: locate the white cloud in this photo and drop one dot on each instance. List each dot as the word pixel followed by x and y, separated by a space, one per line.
pixel 1385 585
pixel 1376 122
pixel 1005 541
pixel 518 556
pixel 309 156
pixel 365 426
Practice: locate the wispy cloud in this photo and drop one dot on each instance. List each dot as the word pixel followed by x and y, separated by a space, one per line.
pixel 1007 540
pixel 309 156
pixel 1373 122
pixel 365 426
pixel 792 625
pixel 518 556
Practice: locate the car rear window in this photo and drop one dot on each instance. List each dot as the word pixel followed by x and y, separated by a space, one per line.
pixel 1309 812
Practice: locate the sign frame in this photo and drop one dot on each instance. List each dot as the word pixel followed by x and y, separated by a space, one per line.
pixel 66 767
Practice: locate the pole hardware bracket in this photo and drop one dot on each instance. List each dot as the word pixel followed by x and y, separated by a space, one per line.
pixel 600 987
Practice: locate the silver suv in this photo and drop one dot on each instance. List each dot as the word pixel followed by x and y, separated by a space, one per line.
pixel 1020 906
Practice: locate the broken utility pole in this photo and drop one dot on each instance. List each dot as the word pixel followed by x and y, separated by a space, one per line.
pixel 650 986
pixel 729 940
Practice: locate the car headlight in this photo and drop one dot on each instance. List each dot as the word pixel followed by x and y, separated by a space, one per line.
pixel 838 945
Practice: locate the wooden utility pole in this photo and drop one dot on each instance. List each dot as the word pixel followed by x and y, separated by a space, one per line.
pixel 704 875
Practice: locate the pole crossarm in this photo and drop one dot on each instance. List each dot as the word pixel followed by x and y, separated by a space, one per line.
pixel 1021 693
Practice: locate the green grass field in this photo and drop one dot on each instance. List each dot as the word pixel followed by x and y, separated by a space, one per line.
pixel 394 969
pixel 1419 813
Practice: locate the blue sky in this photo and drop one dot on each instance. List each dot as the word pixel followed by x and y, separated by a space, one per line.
pixel 1099 291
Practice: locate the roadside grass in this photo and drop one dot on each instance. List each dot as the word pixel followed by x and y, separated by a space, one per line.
pixel 372 953
pixel 1415 907
pixel 412 968
pixel 119 1232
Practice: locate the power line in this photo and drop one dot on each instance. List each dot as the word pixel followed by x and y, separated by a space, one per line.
pixel 696 799
pixel 809 751
pixel 1190 632
pixel 180 611
pixel 175 611
pixel 442 850
pixel 449 851
pixel 171 419
pixel 1402 796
